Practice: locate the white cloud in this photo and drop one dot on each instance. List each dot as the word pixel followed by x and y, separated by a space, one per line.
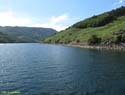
pixel 55 22
pixel 121 1
pixel 10 18
pixel 48 25
pixel 58 19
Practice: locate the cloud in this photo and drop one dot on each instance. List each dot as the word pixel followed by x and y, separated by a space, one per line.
pixel 119 2
pixel 58 19
pixel 56 22
pixel 10 18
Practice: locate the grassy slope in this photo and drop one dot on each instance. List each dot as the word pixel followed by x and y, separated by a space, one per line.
pixel 74 34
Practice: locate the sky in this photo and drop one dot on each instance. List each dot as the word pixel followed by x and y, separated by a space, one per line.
pixel 56 14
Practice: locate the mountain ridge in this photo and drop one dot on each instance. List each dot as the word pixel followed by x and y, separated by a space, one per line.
pixel 26 34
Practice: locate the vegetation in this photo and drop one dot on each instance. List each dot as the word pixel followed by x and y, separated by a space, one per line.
pixel 102 19
pixel 24 34
pixel 106 28
pixel 4 38
pixel 93 40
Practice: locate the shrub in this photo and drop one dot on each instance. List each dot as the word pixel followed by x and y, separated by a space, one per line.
pixel 49 41
pixel 57 41
pixel 70 34
pixel 62 36
pixel 68 42
pixel 123 38
pixel 77 41
pixel 94 40
pixel 118 39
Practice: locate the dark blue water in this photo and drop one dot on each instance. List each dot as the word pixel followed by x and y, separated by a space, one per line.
pixel 38 69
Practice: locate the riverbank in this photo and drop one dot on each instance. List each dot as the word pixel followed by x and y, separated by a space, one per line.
pixel 107 47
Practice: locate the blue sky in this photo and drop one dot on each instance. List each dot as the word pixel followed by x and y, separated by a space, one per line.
pixel 57 14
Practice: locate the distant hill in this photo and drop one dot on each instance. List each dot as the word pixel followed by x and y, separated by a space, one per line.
pixel 4 38
pixel 106 28
pixel 26 34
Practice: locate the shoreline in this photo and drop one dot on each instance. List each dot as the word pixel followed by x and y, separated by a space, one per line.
pixel 106 47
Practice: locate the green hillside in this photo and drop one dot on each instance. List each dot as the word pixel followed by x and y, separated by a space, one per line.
pixel 4 38
pixel 26 34
pixel 105 28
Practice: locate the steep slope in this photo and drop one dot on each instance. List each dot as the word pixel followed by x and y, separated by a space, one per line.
pixel 27 34
pixel 108 27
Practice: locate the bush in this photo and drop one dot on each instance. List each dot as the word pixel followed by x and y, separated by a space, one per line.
pixel 93 40
pixel 49 41
pixel 70 34
pixel 77 41
pixel 57 41
pixel 123 38
pixel 118 39
pixel 119 32
pixel 62 36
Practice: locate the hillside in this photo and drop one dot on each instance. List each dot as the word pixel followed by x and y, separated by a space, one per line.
pixel 4 38
pixel 27 34
pixel 106 28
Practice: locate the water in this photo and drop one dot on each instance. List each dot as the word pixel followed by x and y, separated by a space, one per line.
pixel 38 69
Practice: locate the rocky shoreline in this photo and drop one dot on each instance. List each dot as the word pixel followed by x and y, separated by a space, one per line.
pixel 107 47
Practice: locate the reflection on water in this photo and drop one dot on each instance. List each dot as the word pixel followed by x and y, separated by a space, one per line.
pixel 38 69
